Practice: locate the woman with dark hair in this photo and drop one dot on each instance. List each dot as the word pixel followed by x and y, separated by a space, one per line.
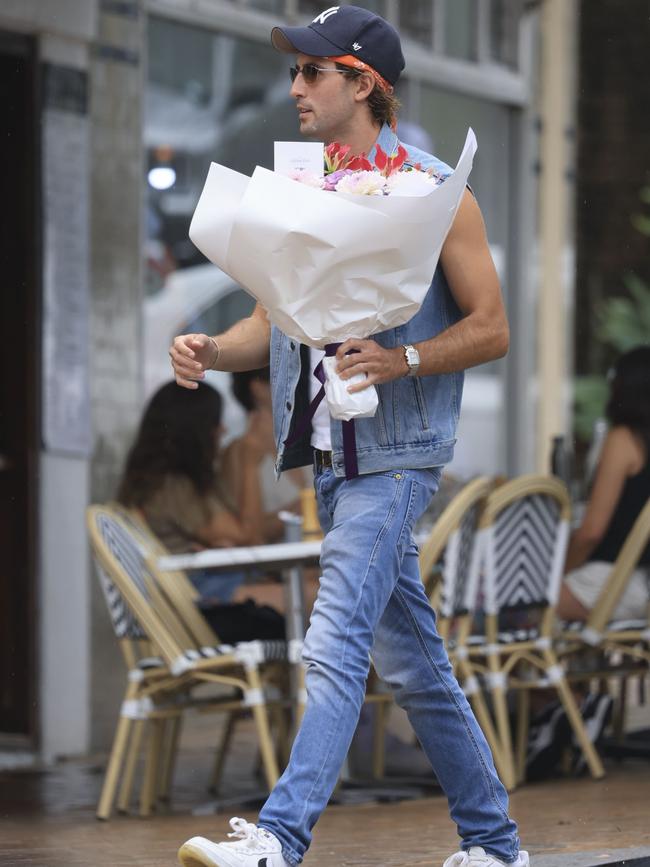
pixel 171 477
pixel 252 390
pixel 620 491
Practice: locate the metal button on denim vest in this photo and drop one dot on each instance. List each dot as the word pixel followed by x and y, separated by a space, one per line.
pixel 415 423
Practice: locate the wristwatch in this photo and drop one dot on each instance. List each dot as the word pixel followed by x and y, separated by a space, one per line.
pixel 412 357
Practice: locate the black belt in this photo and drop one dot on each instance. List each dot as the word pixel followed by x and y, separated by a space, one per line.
pixel 322 460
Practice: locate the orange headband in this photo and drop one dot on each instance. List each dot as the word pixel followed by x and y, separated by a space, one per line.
pixel 355 63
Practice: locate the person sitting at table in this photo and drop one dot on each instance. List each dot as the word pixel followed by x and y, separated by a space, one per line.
pixel 620 491
pixel 172 479
pixel 252 389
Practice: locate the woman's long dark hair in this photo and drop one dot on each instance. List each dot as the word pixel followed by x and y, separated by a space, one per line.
pixel 176 437
pixel 629 397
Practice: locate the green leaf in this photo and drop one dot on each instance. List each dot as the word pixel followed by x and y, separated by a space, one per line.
pixel 589 398
pixel 641 223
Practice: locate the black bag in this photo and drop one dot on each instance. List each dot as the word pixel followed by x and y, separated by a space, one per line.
pixel 244 621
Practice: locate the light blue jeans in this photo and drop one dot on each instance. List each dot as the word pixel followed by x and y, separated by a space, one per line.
pixel 372 602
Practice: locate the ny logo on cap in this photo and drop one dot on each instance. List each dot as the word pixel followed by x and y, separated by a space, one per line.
pixel 322 18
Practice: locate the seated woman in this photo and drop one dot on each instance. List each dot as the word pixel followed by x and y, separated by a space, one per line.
pixel 620 491
pixel 252 390
pixel 171 477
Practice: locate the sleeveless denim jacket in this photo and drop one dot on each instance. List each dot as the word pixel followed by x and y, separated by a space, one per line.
pixel 415 423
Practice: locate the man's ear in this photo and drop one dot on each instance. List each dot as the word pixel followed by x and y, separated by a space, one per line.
pixel 364 86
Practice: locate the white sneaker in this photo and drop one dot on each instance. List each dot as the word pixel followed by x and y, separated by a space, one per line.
pixel 254 847
pixel 478 857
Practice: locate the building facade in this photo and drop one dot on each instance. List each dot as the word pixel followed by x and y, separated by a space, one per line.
pixel 121 106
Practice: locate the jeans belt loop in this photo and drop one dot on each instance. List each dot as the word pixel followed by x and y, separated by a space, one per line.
pixel 322 460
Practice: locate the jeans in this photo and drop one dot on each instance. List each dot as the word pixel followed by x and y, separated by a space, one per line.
pixel 372 602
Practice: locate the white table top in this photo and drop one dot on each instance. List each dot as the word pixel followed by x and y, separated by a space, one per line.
pixel 256 556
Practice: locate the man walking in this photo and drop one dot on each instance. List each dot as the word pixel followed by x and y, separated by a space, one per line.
pixel 371 599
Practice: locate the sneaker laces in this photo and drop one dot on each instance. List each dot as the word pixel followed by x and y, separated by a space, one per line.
pixel 249 838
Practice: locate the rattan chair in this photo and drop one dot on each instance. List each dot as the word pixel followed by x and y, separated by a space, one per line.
pixel 448 559
pixel 523 535
pixel 621 648
pixel 160 687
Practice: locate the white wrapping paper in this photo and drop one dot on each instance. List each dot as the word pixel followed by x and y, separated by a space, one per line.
pixel 327 266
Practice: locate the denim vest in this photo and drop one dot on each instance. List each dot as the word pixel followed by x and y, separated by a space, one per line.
pixel 415 423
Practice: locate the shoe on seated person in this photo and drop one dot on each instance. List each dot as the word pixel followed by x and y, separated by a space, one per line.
pixel 478 857
pixel 254 847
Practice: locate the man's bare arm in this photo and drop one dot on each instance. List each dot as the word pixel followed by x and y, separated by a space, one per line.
pixel 481 335
pixel 245 346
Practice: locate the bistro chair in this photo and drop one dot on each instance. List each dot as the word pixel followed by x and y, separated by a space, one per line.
pixel 160 686
pixel 522 541
pixel 621 647
pixel 448 559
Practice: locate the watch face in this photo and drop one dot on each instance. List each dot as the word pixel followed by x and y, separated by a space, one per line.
pixel 412 357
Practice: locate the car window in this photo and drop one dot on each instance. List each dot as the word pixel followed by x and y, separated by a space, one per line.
pixel 222 314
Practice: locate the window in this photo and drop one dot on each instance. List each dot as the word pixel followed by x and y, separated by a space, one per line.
pixel 460 29
pixel 504 31
pixel 416 20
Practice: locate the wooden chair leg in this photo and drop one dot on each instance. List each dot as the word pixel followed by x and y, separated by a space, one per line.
pixel 263 731
pixel 222 749
pixel 472 689
pixel 126 785
pixel 118 750
pixel 148 789
pixel 523 725
pixel 170 751
pixel 571 708
pixel 619 716
pixel 500 705
pixel 379 739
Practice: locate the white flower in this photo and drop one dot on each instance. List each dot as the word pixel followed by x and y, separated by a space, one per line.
pixel 305 177
pixel 413 183
pixel 362 184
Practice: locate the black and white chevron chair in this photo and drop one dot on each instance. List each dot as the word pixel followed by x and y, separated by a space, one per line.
pixel 451 554
pixel 165 660
pixel 522 541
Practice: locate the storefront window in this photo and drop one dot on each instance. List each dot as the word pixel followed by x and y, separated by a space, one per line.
pixel 504 31
pixel 460 28
pixel 416 20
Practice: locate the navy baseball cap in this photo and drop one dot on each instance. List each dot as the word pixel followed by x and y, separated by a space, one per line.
pixel 342 30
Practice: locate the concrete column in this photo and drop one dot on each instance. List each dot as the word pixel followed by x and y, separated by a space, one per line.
pixel 116 97
pixel 557 78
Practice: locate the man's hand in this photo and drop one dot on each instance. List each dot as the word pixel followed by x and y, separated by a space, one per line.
pixel 379 364
pixel 191 355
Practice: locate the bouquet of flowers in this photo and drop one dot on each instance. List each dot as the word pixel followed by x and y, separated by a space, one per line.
pixel 329 267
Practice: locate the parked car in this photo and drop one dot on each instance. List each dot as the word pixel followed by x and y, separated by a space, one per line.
pixel 203 299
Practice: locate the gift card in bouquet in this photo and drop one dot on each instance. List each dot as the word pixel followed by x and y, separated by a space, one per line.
pixel 299 156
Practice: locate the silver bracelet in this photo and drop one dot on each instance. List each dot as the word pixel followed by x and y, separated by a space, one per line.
pixel 216 358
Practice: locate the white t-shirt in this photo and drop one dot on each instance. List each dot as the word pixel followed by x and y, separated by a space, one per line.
pixel 320 437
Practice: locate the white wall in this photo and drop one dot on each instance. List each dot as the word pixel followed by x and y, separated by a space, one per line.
pixel 64 607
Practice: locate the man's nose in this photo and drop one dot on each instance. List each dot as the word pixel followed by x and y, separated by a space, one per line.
pixel 297 87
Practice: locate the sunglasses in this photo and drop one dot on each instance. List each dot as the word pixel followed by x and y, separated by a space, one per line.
pixel 310 72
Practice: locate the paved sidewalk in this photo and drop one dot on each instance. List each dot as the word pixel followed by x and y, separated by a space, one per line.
pixel 47 820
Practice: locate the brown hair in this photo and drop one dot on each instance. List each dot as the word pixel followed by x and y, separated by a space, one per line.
pixel 383 106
